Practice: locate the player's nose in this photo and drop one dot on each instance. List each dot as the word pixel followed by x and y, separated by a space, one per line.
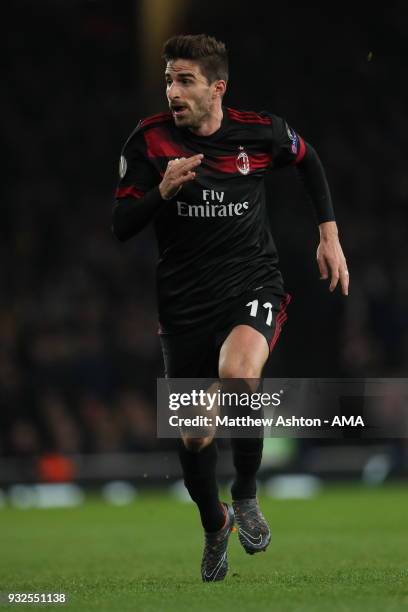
pixel 173 92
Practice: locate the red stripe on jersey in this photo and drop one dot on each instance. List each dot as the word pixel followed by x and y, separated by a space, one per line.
pixel 280 320
pixel 225 164
pixel 302 150
pixel 228 163
pixel 240 113
pixel 159 145
pixel 248 117
pixel 252 120
pixel 124 192
pixel 259 161
pixel 155 118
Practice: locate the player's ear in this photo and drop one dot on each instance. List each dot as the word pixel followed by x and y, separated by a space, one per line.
pixel 219 88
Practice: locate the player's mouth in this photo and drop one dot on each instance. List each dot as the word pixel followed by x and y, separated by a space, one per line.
pixel 178 110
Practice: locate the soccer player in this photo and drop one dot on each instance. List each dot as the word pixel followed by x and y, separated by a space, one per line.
pixel 198 173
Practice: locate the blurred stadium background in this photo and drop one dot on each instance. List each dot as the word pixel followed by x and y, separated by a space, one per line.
pixel 79 352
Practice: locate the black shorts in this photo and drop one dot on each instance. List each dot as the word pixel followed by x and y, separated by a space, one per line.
pixel 195 353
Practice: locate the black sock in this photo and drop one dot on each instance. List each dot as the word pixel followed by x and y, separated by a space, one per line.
pixel 199 470
pixel 246 452
pixel 247 455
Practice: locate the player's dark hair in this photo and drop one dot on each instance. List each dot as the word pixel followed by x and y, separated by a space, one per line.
pixel 209 53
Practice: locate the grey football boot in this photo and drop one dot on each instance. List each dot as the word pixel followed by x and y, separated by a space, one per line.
pixel 214 565
pixel 253 530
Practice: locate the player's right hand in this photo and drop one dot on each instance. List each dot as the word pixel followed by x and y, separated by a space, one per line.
pixel 178 172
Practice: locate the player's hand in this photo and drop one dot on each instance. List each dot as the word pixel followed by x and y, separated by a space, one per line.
pixel 330 258
pixel 178 172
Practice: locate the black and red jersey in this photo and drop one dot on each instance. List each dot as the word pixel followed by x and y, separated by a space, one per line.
pixel 213 237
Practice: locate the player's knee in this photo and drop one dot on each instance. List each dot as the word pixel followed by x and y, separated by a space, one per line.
pixel 238 369
pixel 195 445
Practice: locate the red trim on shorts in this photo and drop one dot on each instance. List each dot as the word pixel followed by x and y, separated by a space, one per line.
pixel 281 318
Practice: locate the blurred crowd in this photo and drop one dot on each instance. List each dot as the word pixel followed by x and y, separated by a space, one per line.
pixel 79 351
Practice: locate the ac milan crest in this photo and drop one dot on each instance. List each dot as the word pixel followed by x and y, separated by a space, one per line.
pixel 242 161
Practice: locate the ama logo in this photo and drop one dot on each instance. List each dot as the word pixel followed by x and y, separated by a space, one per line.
pixel 242 161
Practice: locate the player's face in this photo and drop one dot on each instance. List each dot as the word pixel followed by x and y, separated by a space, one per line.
pixel 191 98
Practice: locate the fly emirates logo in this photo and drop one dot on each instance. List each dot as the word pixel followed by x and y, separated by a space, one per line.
pixel 212 206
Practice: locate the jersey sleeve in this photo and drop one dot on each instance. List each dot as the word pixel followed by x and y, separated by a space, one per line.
pixel 287 146
pixel 136 174
pixel 137 197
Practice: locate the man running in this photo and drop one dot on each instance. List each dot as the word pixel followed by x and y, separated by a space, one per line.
pixel 198 173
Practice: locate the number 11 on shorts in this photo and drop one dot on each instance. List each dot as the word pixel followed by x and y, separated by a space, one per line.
pixel 254 310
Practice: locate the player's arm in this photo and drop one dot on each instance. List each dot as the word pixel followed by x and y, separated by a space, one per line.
pixel 141 193
pixel 133 212
pixel 289 148
pixel 330 256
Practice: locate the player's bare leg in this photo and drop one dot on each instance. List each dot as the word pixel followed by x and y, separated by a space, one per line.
pixel 243 356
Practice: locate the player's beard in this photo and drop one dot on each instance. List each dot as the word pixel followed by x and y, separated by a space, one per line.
pixel 193 119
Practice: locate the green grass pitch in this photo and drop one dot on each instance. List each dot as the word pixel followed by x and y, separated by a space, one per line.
pixel 345 550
